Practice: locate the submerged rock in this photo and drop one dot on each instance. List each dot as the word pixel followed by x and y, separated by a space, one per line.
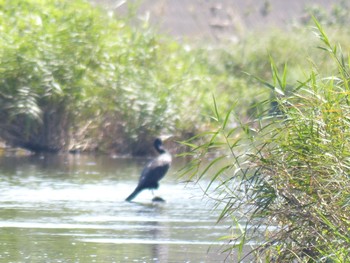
pixel 158 199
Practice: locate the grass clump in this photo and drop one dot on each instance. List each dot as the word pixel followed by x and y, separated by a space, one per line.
pixel 284 176
pixel 75 77
pixel 47 49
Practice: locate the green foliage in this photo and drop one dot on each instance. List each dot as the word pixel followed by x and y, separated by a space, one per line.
pixel 286 173
pixel 73 76
pixel 152 87
pixel 45 50
pixel 69 70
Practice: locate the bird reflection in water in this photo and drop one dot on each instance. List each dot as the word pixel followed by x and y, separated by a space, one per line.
pixel 158 231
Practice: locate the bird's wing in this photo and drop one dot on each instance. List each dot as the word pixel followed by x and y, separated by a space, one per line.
pixel 153 172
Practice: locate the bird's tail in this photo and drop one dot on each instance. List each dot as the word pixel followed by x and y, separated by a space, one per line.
pixel 133 194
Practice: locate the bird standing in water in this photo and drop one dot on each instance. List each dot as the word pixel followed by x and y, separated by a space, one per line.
pixel 153 172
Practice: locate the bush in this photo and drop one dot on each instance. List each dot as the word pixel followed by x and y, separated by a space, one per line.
pixel 285 175
pixel 46 51
pixel 74 77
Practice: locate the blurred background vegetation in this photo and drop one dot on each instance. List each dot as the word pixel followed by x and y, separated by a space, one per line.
pixel 75 77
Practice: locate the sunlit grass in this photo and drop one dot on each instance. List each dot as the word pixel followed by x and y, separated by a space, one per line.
pixel 286 172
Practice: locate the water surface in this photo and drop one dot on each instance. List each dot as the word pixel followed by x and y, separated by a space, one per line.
pixel 72 209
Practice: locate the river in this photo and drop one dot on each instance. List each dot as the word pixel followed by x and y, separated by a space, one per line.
pixel 71 208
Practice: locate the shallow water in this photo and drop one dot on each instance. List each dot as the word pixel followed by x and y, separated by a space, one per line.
pixel 72 209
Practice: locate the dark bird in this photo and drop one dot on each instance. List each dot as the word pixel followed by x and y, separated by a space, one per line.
pixel 153 172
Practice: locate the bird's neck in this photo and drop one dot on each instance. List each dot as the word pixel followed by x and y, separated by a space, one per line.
pixel 161 150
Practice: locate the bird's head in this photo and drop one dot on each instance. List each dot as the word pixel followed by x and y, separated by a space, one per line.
pixel 158 145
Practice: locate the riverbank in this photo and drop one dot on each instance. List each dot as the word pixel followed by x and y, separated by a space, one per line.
pixel 104 85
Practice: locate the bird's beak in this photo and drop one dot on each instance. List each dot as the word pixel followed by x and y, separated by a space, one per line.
pixel 165 137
